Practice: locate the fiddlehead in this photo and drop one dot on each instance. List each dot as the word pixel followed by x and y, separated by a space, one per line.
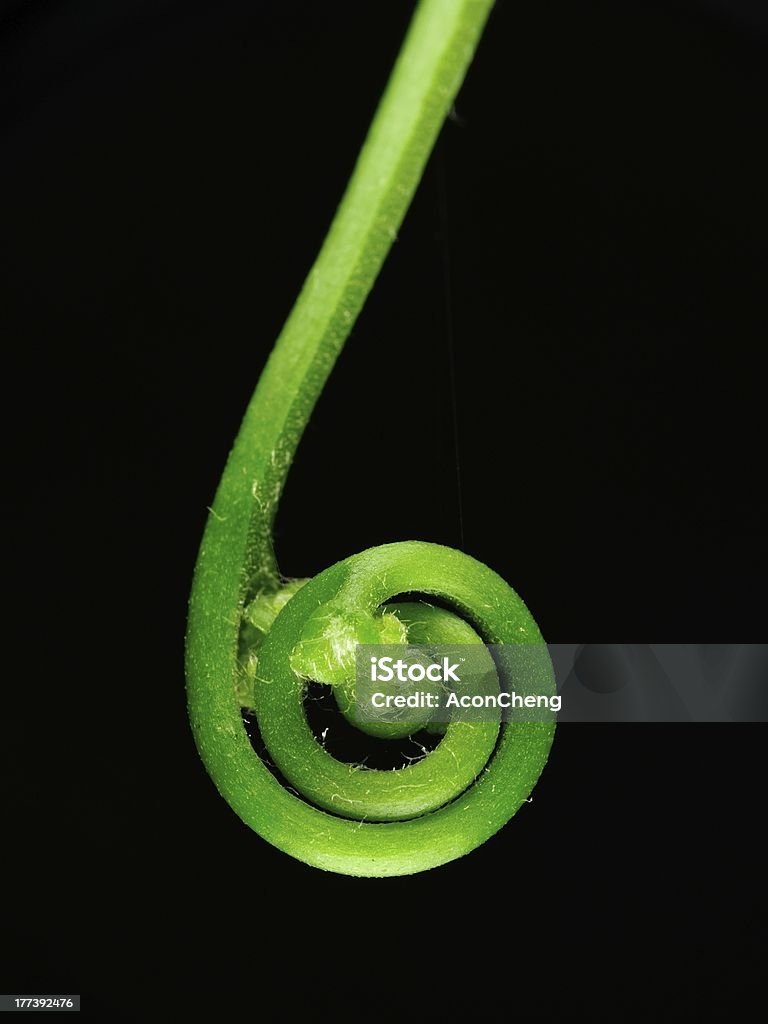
pixel 254 639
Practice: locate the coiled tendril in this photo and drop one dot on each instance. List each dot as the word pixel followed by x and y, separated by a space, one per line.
pixel 255 639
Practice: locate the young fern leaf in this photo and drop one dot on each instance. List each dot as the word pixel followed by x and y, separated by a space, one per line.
pixel 254 639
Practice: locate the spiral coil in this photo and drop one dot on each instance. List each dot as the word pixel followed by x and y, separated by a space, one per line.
pixel 255 641
pixel 360 821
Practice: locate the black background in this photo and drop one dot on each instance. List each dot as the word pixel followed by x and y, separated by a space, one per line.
pixel 592 233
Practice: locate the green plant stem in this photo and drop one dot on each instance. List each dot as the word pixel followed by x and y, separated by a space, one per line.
pixel 433 61
pixel 237 561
